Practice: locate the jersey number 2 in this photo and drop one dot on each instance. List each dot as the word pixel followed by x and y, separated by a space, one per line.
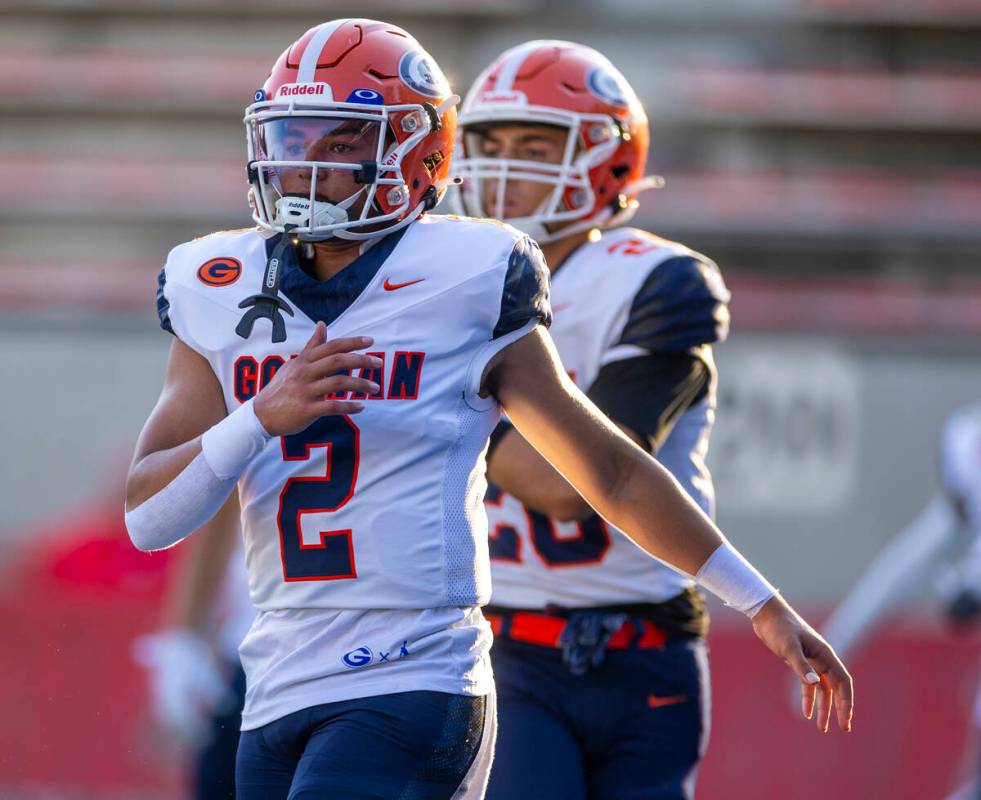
pixel 332 556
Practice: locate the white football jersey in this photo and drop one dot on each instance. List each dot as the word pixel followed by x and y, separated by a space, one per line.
pixel 960 470
pixel 233 612
pixel 960 460
pixel 624 295
pixel 942 546
pixel 358 516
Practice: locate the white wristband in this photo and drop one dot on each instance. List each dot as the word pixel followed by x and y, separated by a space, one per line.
pixel 735 581
pixel 230 445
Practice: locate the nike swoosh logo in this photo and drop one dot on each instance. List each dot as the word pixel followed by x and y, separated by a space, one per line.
pixel 654 701
pixel 560 307
pixel 391 287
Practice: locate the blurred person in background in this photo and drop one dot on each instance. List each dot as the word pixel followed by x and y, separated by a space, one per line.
pixel 196 680
pixel 600 657
pixel 942 546
pixel 367 666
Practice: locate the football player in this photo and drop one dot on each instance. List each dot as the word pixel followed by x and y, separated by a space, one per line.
pixel 600 659
pixel 196 682
pixel 359 458
pixel 942 545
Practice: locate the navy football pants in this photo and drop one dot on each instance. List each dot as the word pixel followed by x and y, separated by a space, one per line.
pixel 214 772
pixel 405 746
pixel 634 727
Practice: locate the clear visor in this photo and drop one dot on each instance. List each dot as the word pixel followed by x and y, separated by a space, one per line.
pixel 304 156
pixel 323 171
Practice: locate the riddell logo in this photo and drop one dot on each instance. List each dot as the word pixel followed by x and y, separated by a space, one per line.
pixel 304 90
pixel 273 272
pixel 503 97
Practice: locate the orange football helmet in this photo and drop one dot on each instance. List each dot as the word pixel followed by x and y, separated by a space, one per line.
pixel 562 84
pixel 354 107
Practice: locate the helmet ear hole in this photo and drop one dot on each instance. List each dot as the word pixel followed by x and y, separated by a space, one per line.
pixel 620 171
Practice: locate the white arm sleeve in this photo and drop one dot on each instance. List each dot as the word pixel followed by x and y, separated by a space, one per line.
pixel 180 508
pixel 203 486
pixel 893 573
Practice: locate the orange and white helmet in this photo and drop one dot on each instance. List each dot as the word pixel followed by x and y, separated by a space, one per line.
pixel 372 83
pixel 546 82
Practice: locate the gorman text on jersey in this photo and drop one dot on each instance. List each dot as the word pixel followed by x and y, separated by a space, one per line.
pixel 398 377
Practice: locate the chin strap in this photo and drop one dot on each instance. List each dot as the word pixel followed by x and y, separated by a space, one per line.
pixel 643 184
pixel 449 180
pixel 268 304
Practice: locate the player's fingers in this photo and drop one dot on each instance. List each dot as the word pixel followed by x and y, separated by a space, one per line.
pixel 343 362
pixel 342 384
pixel 807 700
pixel 824 696
pixel 802 667
pixel 844 691
pixel 343 345
pixel 844 702
pixel 337 407
pixel 810 682
pixel 829 665
pixel 318 338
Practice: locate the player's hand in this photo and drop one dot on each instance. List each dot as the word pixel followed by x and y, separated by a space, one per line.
pixel 187 686
pixel 296 396
pixel 824 681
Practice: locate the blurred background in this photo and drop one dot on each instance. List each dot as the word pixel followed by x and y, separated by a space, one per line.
pixel 826 153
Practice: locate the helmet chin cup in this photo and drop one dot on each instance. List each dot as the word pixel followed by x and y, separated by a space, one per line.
pixel 299 212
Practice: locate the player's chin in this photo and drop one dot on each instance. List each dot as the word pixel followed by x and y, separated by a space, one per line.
pixel 516 210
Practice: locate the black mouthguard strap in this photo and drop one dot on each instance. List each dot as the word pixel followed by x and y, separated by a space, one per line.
pixel 268 304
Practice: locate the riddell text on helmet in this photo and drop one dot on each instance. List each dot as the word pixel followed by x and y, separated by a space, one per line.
pixel 296 89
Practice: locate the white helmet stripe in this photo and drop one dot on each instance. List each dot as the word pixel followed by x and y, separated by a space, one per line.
pixel 509 70
pixel 311 55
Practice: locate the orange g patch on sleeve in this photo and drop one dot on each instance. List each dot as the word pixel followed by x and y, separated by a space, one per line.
pixel 222 271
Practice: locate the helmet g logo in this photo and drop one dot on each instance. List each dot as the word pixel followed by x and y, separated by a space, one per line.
pixel 420 73
pixel 608 86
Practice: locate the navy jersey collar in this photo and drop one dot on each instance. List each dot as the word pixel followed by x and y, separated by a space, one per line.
pixel 327 300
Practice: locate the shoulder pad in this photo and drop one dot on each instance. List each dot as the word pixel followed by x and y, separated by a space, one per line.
pixel 525 294
pixel 201 270
pixel 682 304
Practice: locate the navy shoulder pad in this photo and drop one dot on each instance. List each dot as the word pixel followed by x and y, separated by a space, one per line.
pixel 683 304
pixel 163 304
pixel 525 295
